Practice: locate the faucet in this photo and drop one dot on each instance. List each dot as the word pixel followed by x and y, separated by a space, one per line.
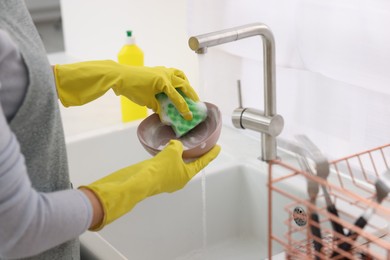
pixel 266 122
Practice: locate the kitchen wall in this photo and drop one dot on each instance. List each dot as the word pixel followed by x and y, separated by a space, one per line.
pixel 333 66
pixel 333 72
pixel 95 29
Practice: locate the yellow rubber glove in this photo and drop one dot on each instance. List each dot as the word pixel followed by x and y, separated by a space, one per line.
pixel 120 191
pixel 82 82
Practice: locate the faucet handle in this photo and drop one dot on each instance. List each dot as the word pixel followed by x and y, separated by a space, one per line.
pixel 250 118
pixel 254 119
pixel 239 93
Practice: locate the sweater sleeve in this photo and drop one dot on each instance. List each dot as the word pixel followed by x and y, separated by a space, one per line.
pixel 30 221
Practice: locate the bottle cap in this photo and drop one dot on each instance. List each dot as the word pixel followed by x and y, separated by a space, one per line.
pixel 130 39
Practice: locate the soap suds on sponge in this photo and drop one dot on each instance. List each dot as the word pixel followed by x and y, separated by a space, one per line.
pixel 169 115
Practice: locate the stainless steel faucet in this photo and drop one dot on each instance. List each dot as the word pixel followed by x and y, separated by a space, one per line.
pixel 267 122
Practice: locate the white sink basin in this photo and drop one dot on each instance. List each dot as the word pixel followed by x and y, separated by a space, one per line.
pixel 231 225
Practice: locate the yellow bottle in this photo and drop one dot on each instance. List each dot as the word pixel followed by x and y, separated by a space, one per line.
pixel 131 54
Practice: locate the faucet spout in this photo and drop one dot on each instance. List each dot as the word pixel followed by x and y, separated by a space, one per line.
pixel 262 120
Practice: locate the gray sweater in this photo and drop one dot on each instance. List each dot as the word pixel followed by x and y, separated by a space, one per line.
pixel 40 216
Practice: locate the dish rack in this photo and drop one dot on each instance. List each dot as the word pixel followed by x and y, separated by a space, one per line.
pixel 351 187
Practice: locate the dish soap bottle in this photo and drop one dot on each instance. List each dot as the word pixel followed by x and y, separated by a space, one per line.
pixel 131 54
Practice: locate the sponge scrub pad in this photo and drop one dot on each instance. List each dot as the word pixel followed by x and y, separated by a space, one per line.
pixel 169 115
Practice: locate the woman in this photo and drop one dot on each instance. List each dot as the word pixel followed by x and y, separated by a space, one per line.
pixel 40 215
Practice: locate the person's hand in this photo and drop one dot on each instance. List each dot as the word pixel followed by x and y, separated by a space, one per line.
pixel 80 83
pixel 120 191
pixel 141 84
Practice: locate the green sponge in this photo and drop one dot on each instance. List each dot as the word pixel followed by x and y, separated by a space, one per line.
pixel 169 115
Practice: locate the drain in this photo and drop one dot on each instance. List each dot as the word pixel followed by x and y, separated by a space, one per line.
pixel 299 216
